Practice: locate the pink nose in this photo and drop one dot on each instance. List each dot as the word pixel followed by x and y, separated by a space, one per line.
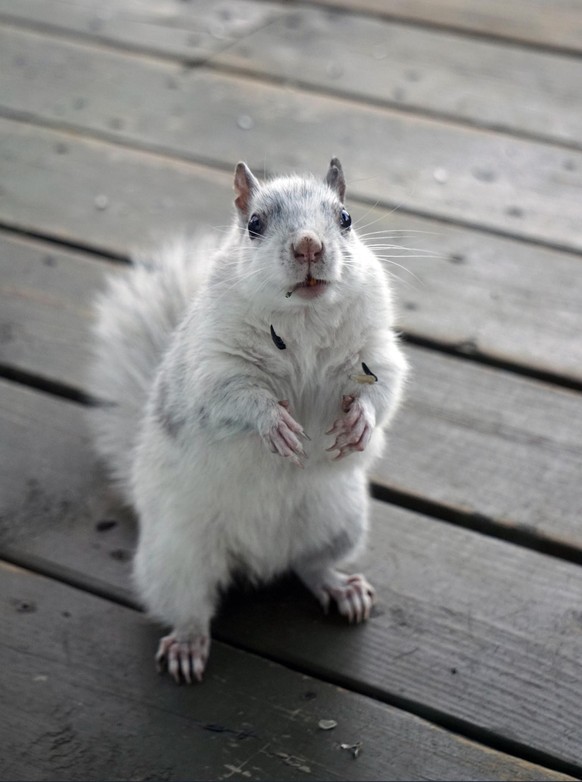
pixel 307 248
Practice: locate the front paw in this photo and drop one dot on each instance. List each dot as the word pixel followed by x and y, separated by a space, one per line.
pixel 353 430
pixel 283 435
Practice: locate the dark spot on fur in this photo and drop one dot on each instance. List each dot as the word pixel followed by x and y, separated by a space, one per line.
pixel 277 340
pixel 120 554
pixel 105 524
pixel 168 419
pixel 514 211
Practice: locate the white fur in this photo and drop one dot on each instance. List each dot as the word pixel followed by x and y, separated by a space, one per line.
pixel 185 355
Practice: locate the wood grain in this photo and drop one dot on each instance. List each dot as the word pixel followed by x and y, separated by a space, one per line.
pixel 553 24
pixel 432 168
pixel 103 196
pixel 192 31
pixel 250 719
pixel 449 74
pixel 468 437
pixel 490 443
pixel 485 294
pixel 445 74
pixel 468 626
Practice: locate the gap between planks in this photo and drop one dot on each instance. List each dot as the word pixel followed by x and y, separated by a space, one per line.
pixel 463 350
pixel 87 584
pixel 432 20
pixel 218 62
pixel 421 746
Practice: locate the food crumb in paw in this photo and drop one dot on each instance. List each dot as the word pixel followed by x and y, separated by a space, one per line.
pixel 327 724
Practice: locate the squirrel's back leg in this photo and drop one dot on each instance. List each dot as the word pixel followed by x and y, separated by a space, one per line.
pixel 346 507
pixel 179 570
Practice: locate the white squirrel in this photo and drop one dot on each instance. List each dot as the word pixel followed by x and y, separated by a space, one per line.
pixel 248 383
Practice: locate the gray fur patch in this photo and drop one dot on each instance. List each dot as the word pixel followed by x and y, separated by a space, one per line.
pixel 334 550
pixel 170 421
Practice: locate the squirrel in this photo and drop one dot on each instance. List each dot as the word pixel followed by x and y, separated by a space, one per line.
pixel 247 385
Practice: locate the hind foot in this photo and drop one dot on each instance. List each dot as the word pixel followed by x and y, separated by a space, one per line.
pixel 353 595
pixel 183 659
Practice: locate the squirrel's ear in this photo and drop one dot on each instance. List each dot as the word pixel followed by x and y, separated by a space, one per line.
pixel 335 178
pixel 245 185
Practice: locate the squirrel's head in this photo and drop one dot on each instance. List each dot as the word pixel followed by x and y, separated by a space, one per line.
pixel 295 235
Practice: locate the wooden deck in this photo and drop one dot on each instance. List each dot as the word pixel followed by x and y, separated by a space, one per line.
pixel 459 125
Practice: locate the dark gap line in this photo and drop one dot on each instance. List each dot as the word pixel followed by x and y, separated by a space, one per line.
pixel 448 722
pixel 466 351
pixel 477 522
pixel 95 41
pixel 367 101
pixel 455 725
pixel 435 26
pixel 53 387
pixel 70 244
pixel 213 164
pixel 395 208
pixel 70 577
pixel 510 42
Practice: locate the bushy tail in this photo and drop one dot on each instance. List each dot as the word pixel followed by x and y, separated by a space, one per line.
pixel 135 317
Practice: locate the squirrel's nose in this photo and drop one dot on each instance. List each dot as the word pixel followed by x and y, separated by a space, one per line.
pixel 307 248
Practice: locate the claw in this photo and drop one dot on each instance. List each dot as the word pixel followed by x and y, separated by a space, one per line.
pixel 283 437
pixel 353 431
pixel 183 658
pixel 353 595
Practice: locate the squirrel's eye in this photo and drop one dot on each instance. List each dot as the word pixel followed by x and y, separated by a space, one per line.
pixel 345 220
pixel 255 226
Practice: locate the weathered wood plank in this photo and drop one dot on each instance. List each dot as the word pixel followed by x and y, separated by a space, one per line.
pixel 556 24
pixel 468 437
pixel 489 443
pixel 448 75
pixel 79 190
pixel 45 305
pixel 443 73
pixel 79 702
pixel 148 24
pixel 482 630
pixel 500 298
pixel 192 31
pixel 508 185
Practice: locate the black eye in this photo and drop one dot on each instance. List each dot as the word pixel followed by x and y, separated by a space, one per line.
pixel 255 226
pixel 345 220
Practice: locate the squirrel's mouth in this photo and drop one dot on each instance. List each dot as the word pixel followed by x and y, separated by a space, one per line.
pixel 310 288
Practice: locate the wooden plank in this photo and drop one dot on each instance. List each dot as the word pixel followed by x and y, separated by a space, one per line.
pixel 554 25
pixel 489 443
pixel 472 627
pixel 501 299
pixel 46 295
pixel 432 168
pixel 192 31
pixel 149 24
pixel 505 299
pixel 79 190
pixel 444 74
pixel 79 699
pixel 468 437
